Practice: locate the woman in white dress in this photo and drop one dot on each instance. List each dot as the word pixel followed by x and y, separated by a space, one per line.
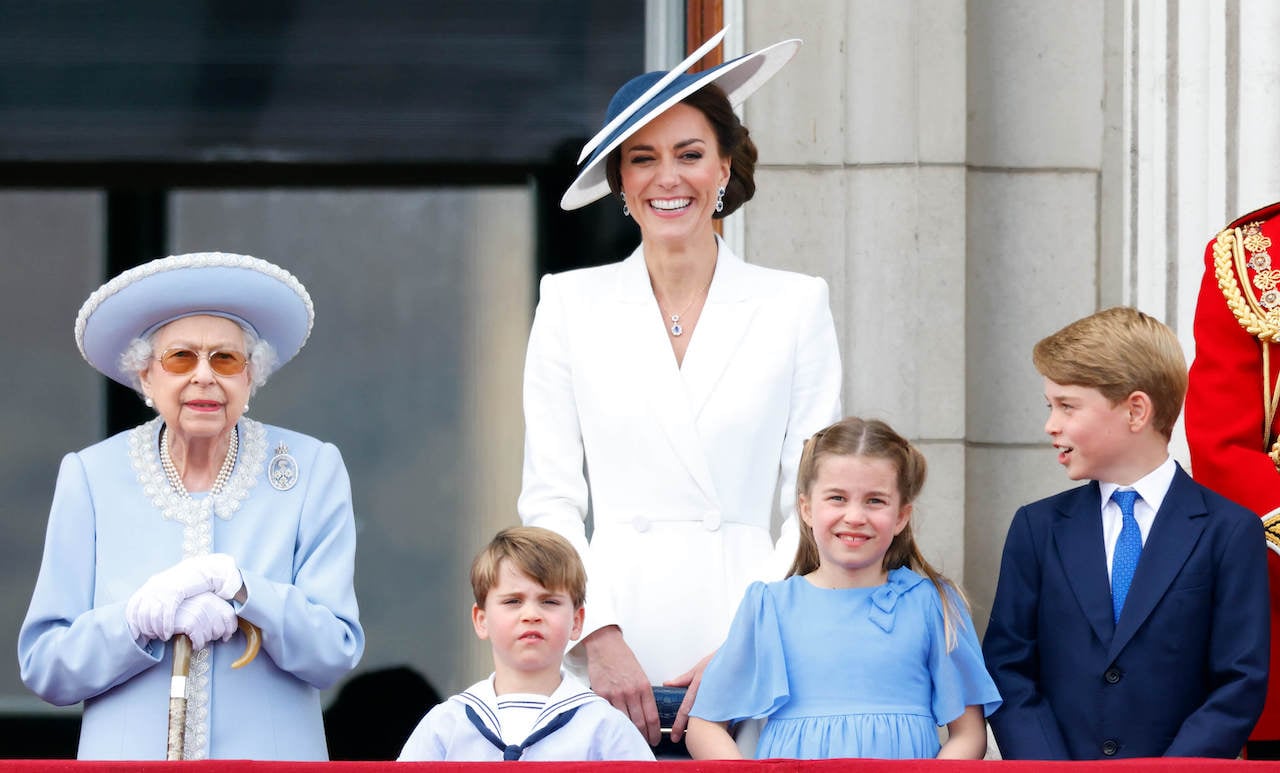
pixel 672 392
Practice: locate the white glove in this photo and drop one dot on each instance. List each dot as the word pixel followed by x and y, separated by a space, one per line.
pixel 205 618
pixel 151 609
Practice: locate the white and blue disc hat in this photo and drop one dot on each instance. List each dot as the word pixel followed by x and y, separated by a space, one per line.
pixel 261 295
pixel 645 97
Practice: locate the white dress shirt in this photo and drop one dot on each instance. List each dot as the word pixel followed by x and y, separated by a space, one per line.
pixel 1151 489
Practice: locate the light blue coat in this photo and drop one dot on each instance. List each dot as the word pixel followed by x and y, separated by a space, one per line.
pixel 106 536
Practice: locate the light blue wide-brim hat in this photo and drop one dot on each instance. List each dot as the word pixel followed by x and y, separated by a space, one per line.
pixel 263 296
pixel 645 97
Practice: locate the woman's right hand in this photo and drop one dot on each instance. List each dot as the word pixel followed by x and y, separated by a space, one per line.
pixel 205 618
pixel 151 609
pixel 617 677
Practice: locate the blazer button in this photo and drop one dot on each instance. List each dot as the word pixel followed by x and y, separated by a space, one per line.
pixel 640 523
pixel 1110 747
pixel 711 521
pixel 1112 676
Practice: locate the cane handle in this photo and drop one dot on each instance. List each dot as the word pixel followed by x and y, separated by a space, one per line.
pixel 253 642
pixel 178 683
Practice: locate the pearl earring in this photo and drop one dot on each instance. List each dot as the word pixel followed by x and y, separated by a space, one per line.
pixel 246 407
pixel 150 403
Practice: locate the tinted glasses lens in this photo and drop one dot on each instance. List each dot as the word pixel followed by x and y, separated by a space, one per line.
pixel 183 361
pixel 179 360
pixel 226 363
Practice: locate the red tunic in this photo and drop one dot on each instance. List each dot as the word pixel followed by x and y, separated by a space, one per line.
pixel 1237 332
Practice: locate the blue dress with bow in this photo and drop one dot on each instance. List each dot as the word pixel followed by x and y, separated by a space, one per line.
pixel 856 672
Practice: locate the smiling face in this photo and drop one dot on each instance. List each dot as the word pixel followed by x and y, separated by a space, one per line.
pixel 1093 437
pixel 855 510
pixel 529 628
pixel 670 171
pixel 199 404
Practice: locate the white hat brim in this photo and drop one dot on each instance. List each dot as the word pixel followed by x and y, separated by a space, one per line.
pixel 739 79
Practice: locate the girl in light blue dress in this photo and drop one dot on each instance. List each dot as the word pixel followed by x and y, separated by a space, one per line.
pixel 864 650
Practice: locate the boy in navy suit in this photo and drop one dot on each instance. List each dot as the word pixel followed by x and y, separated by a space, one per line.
pixel 1131 617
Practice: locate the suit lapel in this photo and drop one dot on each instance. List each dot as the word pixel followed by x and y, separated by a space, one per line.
pixel 721 328
pixel 1077 533
pixel 1174 534
pixel 656 367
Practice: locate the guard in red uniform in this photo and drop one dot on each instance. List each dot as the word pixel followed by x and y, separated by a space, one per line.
pixel 1231 416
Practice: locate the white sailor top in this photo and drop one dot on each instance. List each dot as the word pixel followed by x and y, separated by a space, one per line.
pixel 575 724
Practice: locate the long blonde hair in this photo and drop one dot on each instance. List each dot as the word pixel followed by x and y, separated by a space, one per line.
pixel 874 439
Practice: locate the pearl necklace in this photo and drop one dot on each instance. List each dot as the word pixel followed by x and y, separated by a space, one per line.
pixel 175 480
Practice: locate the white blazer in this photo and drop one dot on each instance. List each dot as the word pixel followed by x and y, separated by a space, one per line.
pixel 684 461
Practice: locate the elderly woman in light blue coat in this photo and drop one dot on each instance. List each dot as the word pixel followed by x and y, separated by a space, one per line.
pixel 192 520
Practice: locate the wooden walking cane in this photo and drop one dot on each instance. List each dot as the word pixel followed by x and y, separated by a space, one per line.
pixel 178 684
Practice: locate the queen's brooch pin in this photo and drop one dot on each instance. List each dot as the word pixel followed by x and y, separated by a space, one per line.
pixel 282 470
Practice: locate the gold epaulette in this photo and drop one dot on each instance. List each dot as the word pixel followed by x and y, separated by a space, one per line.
pixel 1257 312
pixel 1271 528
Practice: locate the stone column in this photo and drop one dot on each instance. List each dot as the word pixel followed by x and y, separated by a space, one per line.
pixel 862 181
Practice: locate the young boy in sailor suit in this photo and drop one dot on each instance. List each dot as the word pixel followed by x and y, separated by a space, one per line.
pixel 529 587
pixel 1131 616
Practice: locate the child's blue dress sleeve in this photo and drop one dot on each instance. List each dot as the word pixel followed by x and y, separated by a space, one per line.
pixel 747 678
pixel 960 677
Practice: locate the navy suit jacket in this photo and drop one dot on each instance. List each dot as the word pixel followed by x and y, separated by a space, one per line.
pixel 1184 672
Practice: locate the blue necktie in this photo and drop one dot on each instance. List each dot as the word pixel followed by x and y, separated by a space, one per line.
pixel 516 751
pixel 1128 549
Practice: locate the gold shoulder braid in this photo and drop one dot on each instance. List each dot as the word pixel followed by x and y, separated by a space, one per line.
pixel 1258 313
pixel 1271 528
